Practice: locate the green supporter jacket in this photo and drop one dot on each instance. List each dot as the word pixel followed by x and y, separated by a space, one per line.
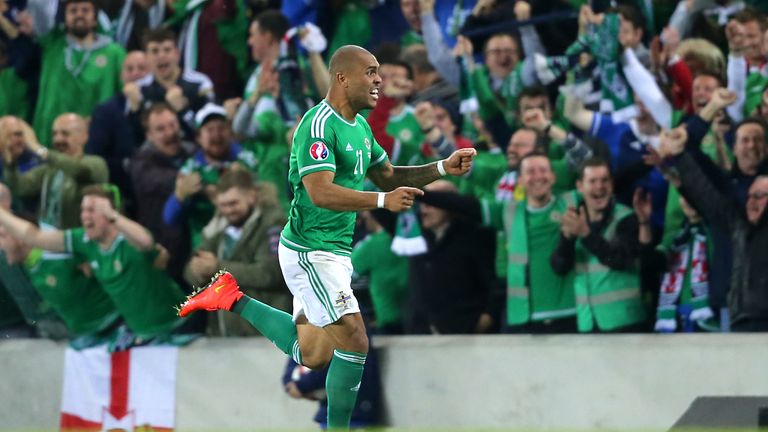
pixel 487 169
pixel 14 91
pixel 565 180
pixel 607 297
pixel 388 275
pixel 489 103
pixel 252 260
pixel 59 183
pixel 534 291
pixel 74 79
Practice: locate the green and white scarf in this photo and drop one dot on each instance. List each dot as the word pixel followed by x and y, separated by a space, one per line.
pixel 690 271
pixel 408 240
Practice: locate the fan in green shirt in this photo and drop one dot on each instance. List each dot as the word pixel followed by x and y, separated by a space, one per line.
pixel 122 256
pixel 538 300
pixel 80 68
pixel 387 272
pixel 76 297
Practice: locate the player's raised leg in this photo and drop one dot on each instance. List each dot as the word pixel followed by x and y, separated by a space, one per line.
pixel 223 293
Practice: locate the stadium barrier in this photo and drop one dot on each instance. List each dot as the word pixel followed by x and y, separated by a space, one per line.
pixel 573 382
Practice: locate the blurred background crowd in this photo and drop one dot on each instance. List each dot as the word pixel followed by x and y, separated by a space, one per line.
pixel 619 184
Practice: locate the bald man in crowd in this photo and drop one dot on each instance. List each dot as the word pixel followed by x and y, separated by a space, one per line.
pixel 65 171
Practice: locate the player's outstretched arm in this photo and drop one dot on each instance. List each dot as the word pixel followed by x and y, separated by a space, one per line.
pixel 30 234
pixel 328 195
pixel 388 177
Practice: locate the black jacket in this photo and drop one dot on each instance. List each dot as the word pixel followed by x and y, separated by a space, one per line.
pixel 748 296
pixel 620 253
pixel 115 138
pixel 450 284
pixel 153 176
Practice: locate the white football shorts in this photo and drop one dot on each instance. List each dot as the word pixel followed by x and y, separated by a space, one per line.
pixel 320 283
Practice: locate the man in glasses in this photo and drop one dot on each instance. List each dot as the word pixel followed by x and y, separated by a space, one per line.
pixel 748 296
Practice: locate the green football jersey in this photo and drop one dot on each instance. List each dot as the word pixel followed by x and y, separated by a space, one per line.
pixel 325 141
pixel 79 300
pixel 144 295
pixel 551 294
pixel 406 131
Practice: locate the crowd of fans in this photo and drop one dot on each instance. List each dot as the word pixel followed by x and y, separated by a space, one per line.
pixel 620 182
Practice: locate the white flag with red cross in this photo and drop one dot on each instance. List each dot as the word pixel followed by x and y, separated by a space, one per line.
pixel 128 390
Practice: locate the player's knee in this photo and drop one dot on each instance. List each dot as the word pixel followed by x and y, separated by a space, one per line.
pixel 357 341
pixel 316 360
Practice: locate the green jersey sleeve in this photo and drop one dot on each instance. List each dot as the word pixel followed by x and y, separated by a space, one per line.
pixel 74 241
pixel 314 151
pixel 378 155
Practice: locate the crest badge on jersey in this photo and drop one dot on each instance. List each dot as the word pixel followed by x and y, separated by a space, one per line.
pixel 367 144
pixel 405 135
pixel 318 151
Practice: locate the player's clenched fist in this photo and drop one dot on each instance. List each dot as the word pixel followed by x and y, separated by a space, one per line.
pixel 401 198
pixel 460 161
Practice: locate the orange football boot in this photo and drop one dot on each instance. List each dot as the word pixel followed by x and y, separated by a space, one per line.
pixel 220 294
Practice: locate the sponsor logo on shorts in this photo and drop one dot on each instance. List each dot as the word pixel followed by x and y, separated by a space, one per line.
pixel 318 151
